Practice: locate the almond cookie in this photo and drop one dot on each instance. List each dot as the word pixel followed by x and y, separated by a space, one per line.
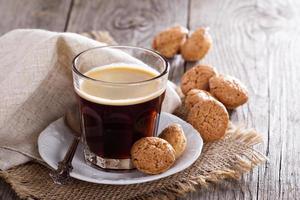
pixel 197 45
pixel 194 96
pixel 210 118
pixel 229 90
pixel 168 42
pixel 176 137
pixel 152 155
pixel 197 78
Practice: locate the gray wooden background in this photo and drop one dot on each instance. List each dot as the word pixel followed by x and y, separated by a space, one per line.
pixel 257 41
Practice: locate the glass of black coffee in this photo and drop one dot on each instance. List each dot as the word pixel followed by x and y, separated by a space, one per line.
pixel 120 90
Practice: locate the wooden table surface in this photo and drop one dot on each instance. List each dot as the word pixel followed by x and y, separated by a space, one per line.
pixel 257 41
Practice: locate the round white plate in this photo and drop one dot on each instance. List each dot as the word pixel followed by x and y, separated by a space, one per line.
pixel 54 141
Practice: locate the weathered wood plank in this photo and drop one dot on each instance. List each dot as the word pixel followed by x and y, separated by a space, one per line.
pixel 234 53
pixel 44 14
pixel 257 41
pixel 133 23
pixel 233 25
pixel 280 26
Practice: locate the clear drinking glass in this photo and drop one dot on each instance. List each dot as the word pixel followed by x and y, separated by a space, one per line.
pixel 116 110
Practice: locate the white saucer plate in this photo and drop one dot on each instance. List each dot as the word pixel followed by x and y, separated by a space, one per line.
pixel 54 141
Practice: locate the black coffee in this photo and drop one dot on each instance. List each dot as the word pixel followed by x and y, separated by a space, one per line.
pixel 113 118
pixel 110 131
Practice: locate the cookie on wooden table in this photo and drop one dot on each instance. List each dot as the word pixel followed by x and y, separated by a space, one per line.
pixel 229 90
pixel 175 136
pixel 152 155
pixel 194 96
pixel 197 45
pixel 210 118
pixel 197 78
pixel 168 42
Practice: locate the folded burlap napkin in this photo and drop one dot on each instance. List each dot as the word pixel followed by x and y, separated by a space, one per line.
pixel 36 87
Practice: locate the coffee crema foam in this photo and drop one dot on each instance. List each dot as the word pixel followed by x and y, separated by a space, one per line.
pixel 119 86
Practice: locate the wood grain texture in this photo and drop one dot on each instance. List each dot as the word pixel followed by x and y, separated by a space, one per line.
pixel 258 41
pixel 280 26
pixel 129 22
pixel 43 14
pixel 133 23
pixel 234 53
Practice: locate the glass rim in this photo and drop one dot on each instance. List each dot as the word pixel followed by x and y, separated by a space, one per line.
pixel 161 74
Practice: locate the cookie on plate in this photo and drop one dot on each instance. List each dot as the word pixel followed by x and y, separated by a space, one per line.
pixel 152 155
pixel 175 136
pixel 197 78
pixel 194 96
pixel 210 118
pixel 229 90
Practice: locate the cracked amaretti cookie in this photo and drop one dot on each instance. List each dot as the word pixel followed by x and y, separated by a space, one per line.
pixel 210 118
pixel 197 78
pixel 152 155
pixel 229 90
pixel 175 136
pixel 194 96
pixel 197 45
pixel 168 42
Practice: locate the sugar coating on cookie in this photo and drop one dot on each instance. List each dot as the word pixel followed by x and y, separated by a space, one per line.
pixel 229 90
pixel 210 118
pixel 197 78
pixel 175 136
pixel 194 96
pixel 152 155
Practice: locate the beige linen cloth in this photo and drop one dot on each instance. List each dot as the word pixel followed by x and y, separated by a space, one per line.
pixel 36 88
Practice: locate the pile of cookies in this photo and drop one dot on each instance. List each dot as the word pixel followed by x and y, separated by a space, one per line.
pixel 208 96
pixel 176 39
pixel 154 155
